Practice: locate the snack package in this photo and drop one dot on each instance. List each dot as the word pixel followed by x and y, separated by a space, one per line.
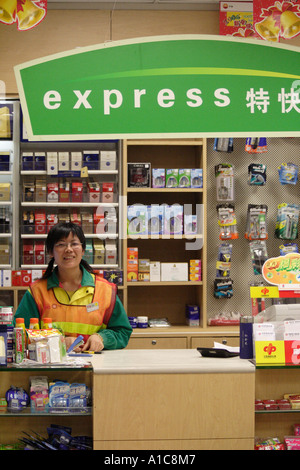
pixel 49 345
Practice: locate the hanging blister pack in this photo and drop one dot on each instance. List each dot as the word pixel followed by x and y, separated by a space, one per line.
pixel 224 260
pixel 259 255
pixel 256 225
pixel 227 222
pixel 223 144
pixel 223 289
pixel 257 174
pixel 287 248
pixel 256 145
pixel 224 173
pixel 287 221
pixel 288 173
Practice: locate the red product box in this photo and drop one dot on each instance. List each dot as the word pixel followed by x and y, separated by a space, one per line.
pixel 26 278
pixel 292 352
pixel 51 220
pixel 39 253
pixel 28 253
pixel 16 278
pixel 94 192
pixel 40 222
pixel 99 222
pixel 64 192
pixel 107 192
pixel 52 192
pixel 77 191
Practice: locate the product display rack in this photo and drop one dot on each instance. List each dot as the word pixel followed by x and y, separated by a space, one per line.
pixel 166 298
pixel 65 207
pixel 14 423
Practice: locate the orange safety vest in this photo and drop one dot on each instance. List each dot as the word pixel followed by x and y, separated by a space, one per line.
pixel 76 320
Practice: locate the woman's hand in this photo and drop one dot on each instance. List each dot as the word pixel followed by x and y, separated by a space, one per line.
pixel 94 343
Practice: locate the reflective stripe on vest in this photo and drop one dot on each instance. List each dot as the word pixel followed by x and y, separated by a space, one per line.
pixel 77 319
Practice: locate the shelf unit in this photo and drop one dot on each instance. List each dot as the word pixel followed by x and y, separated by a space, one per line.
pixel 166 299
pixel 66 207
pixel 13 424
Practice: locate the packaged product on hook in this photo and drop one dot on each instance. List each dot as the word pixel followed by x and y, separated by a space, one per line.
pixel 256 145
pixel 256 226
pixel 224 260
pixel 287 221
pixel 224 173
pixel 257 174
pixel 288 248
pixel 223 289
pixel 223 144
pixel 259 255
pixel 288 173
pixel 227 222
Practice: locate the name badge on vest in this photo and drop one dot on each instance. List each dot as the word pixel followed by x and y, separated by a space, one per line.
pixel 92 307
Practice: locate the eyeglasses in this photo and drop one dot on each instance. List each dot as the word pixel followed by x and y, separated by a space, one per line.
pixel 63 246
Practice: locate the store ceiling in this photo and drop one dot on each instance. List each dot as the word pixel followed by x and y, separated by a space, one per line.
pixel 133 4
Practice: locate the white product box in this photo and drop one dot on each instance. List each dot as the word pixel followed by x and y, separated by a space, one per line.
pixel 110 253
pixel 63 161
pixel 6 278
pixel 36 274
pixel 137 219
pixel 76 161
pixel 174 272
pixel 155 219
pixel 173 220
pixel 108 160
pixel 52 163
pixel 154 271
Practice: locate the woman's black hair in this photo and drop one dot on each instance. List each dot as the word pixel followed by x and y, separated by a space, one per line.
pixel 59 232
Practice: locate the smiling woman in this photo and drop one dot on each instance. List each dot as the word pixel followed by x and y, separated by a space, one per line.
pixel 75 297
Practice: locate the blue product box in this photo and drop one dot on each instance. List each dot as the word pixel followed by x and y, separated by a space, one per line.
pixel 40 161
pixel 27 161
pixel 196 178
pixel 192 315
pixel 4 161
pixel 91 159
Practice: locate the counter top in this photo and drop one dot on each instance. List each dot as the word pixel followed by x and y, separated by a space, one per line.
pixel 167 361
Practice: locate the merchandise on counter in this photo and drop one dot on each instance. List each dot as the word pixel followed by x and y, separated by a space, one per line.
pixel 257 174
pixel 224 173
pixel 272 443
pixel 256 225
pixel 195 270
pixel 224 144
pixel 227 222
pixel 256 145
pixel 39 396
pixel 142 322
pixel 246 337
pixel 288 173
pixel 287 221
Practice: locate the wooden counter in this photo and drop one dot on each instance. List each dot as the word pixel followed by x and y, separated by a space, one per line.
pixel 172 399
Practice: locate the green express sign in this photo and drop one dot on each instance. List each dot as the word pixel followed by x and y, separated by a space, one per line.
pixel 164 86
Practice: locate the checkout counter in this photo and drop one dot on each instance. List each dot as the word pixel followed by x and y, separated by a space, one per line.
pixel 172 399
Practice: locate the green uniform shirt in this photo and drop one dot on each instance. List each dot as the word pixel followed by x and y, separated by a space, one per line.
pixel 118 331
